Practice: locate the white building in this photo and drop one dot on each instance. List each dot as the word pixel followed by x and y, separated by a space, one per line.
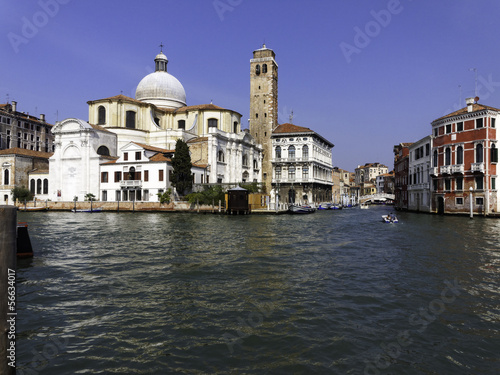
pixel 141 173
pixel 419 187
pixel 80 149
pixel 302 166
pixel 154 120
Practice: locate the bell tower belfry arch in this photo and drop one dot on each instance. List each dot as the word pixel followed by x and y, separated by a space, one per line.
pixel 264 106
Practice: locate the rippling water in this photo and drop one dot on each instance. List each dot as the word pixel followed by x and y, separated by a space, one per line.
pixel 336 292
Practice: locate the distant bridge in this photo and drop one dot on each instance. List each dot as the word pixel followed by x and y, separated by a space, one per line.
pixel 376 197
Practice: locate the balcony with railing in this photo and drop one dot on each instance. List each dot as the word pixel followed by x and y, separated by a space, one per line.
pixel 457 168
pixel 434 171
pixel 421 186
pixel 130 184
pixel 477 167
pixel 445 169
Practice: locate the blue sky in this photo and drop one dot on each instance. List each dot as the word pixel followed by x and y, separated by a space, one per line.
pixel 364 74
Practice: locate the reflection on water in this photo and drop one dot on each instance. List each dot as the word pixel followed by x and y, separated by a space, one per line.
pixel 331 292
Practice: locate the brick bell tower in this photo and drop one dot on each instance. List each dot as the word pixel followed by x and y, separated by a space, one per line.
pixel 264 106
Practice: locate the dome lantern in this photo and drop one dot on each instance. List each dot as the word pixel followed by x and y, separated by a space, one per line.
pixel 161 88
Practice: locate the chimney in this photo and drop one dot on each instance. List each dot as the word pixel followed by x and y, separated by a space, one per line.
pixel 42 117
pixel 470 102
pixel 14 106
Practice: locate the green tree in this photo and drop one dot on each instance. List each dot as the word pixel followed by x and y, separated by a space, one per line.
pixel 182 178
pixel 21 194
pixel 165 197
pixel 90 197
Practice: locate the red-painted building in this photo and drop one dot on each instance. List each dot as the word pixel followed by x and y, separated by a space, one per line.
pixel 401 172
pixel 465 156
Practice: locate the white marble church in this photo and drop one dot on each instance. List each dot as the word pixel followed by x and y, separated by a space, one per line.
pixel 123 152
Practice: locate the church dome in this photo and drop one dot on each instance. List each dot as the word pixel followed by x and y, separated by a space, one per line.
pixel 161 88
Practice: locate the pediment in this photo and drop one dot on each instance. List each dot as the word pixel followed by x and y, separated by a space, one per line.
pixel 70 125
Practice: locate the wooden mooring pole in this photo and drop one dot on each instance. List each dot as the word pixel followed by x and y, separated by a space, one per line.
pixel 8 296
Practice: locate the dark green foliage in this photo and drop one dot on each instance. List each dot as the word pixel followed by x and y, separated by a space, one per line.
pixel 90 197
pixel 165 197
pixel 211 194
pixel 182 177
pixel 21 194
pixel 252 187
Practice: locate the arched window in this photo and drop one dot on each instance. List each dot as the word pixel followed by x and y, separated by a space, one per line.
pixel 101 115
pixel 130 120
pixel 46 186
pixel 32 186
pixel 278 152
pixel 245 176
pixel 255 164
pixel 447 156
pixel 245 160
pixel 460 155
pixel 6 177
pixel 305 152
pixel 235 127
pixel 291 152
pixel 494 153
pixel 131 173
pixel 181 124
pixel 220 156
pixel 479 153
pixel 212 123
pixel 435 159
pixel 264 68
pixel 257 69
pixel 103 150
pixel 39 186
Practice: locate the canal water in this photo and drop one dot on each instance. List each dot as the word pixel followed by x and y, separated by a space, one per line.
pixel 336 292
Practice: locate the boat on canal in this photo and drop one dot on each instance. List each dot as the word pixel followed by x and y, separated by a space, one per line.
pixel 90 210
pixel 303 209
pixel 391 219
pixel 32 209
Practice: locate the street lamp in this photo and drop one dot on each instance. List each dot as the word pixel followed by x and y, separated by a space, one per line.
pixel 470 201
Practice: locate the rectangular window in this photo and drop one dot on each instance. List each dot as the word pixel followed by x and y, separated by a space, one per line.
pixel 137 155
pixel 104 195
pixel 479 201
pixel 479 123
pixel 436 132
pixel 459 201
pixel 118 194
pixel 146 176
pixel 460 126
pixel 104 176
pixel 427 149
pixel 118 176
pixel 493 121
pixel 448 129
pixel 479 183
pixel 160 175
pixel 125 156
pixel 145 195
pixel 493 183
pixel 447 184
pixel 459 182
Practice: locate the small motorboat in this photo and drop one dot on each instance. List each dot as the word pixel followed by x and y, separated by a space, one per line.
pixel 304 209
pixel 389 219
pixel 96 209
pixel 325 206
pixel 32 209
